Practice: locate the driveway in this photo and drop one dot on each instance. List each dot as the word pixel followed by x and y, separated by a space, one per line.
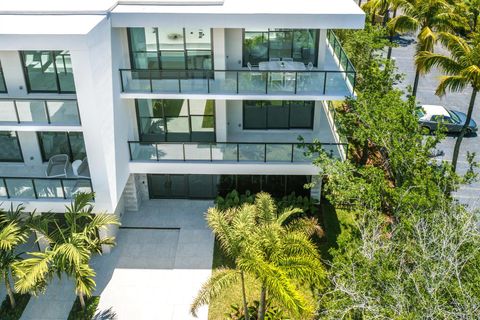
pixel 404 56
pixel 163 255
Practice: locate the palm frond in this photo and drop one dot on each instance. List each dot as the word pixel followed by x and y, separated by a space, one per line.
pixel 219 281
pixel 33 274
pixel 427 39
pixel 425 61
pixel 287 213
pixel 452 83
pixel 11 236
pixel 307 226
pixel 84 280
pixel 403 24
pixel 266 208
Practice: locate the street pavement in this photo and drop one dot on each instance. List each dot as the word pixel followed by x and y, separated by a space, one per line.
pixel 404 57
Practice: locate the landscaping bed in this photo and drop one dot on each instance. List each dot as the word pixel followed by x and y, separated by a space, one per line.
pixel 77 313
pixel 6 311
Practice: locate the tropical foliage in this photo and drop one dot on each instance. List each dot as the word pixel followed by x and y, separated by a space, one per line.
pixel 265 245
pixel 70 247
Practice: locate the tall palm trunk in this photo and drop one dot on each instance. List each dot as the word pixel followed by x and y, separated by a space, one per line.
pixel 391 34
pixel 82 300
pixel 263 303
pixel 415 82
pixel 8 286
pixel 244 297
pixel 456 150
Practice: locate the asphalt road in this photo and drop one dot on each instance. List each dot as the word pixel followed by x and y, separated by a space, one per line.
pixel 404 57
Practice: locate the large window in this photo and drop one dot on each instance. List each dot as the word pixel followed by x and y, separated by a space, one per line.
pixel 69 143
pixel 262 115
pixel 3 86
pixel 176 120
pixel 48 71
pixel 10 147
pixel 172 48
pixel 209 186
pixel 298 44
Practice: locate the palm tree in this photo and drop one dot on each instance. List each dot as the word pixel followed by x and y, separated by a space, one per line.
pixel 283 257
pixel 232 228
pixel 462 69
pixel 473 13
pixel 71 246
pixel 12 234
pixel 427 17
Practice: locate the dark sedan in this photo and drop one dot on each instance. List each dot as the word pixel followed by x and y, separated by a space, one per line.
pixel 429 117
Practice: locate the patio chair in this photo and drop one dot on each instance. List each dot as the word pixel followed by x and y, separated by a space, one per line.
pixel 80 168
pixel 310 66
pixel 57 166
pixel 254 76
pixel 288 59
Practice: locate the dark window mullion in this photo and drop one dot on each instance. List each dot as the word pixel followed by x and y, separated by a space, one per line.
pixel 57 79
pixel 69 146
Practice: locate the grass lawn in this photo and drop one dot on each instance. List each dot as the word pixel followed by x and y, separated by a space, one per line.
pixel 7 313
pixel 91 307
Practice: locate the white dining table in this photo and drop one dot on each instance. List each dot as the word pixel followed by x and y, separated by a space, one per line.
pixel 281 65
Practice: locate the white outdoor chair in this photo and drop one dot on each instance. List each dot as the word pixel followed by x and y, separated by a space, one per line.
pixel 249 66
pixel 80 168
pixel 57 166
pixel 310 66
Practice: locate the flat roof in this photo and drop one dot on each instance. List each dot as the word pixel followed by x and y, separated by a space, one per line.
pixel 48 24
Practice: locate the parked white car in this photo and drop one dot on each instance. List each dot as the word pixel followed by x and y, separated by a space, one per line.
pixel 429 116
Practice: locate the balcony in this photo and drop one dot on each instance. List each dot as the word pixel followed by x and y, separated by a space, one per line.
pixel 336 80
pixel 228 152
pixel 21 182
pixel 39 112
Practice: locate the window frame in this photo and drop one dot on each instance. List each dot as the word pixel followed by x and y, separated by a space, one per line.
pixel 69 144
pixel 284 103
pixel 2 80
pixel 57 79
pixel 21 159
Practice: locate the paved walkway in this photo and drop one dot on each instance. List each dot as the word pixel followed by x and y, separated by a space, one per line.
pixel 155 273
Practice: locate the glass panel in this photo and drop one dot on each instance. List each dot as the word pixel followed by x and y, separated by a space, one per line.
pixel 224 152
pixel 63 111
pixel 152 129
pixel 280 44
pixel 301 114
pixel 225 184
pixel 279 152
pixel 20 188
pixel 199 60
pixel 3 189
pixel 304 45
pixel 203 128
pixel 75 186
pixel 3 87
pixel 255 47
pixel 136 81
pixel 275 185
pixel 202 107
pixel 145 60
pixel 299 154
pixel 198 39
pixel 78 146
pixel 170 151
pixel 177 186
pixel 48 188
pixel 310 82
pixel 251 152
pixel 175 108
pixel 197 151
pixel 170 39
pixel 178 129
pixel 143 151
pixel 254 115
pixel 32 111
pixel 251 183
pixel 172 60
pixel 157 185
pixel 9 147
pixel 7 111
pixel 296 183
pixel 63 63
pixel 200 186
pixel 53 143
pixel 143 39
pixel 336 84
pixel 40 70
pixel 277 115
pixel 252 82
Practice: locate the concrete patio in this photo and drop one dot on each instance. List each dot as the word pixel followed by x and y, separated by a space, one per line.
pixel 163 255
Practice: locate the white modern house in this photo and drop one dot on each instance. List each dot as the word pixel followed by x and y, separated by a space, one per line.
pixel 151 99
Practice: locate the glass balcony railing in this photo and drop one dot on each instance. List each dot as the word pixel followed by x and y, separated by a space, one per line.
pixel 227 151
pixel 239 82
pixel 342 58
pixel 55 112
pixel 43 188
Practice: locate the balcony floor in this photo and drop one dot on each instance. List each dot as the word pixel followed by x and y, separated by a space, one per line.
pixel 28 171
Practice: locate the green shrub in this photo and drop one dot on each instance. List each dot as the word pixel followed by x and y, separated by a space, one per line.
pixel 6 311
pixel 77 313
pixel 271 313
pixel 234 199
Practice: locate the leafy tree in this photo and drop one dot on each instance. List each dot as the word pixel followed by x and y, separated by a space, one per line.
pixel 13 233
pixel 71 246
pixel 462 69
pixel 427 17
pixel 473 14
pixel 269 245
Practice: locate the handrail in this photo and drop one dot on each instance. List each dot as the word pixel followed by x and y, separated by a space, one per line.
pixel 243 81
pixel 59 188
pixel 233 151
pixel 46 109
pixel 334 43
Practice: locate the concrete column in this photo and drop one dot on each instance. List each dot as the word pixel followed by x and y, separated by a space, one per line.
pixel 13 73
pixel 316 190
pixel 221 120
pixel 30 148
pixel 219 52
pixel 322 48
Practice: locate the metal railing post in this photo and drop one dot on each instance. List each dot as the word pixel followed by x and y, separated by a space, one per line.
pixel 183 146
pixel 6 188
pixel 211 156
pixel 34 188
pixel 150 80
pixel 325 83
pixel 63 189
